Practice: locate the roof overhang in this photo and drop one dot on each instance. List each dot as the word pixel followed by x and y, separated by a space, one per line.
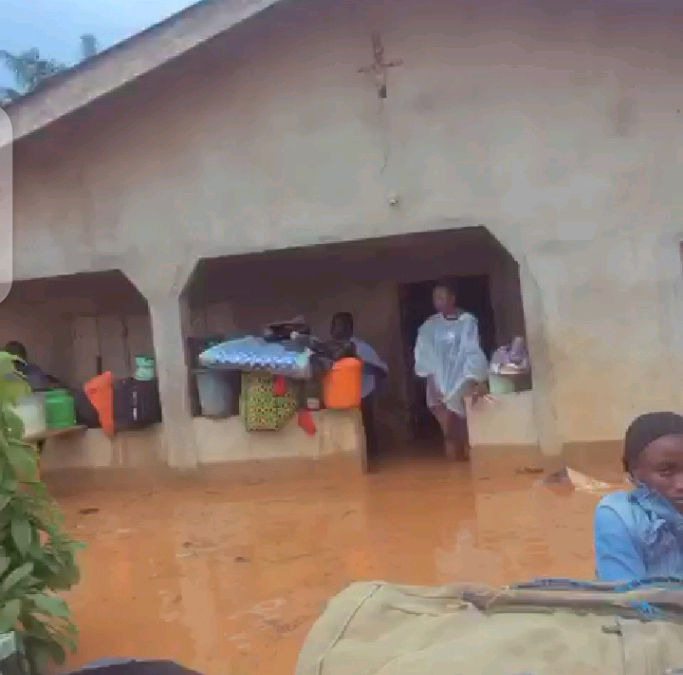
pixel 125 62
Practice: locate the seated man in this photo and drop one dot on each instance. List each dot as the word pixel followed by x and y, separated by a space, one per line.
pixel 39 380
pixel 36 377
pixel 374 369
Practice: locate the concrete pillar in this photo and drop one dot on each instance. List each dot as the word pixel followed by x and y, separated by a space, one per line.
pixel 169 317
pixel 545 413
pixel 163 288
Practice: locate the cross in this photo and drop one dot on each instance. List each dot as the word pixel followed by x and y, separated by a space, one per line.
pixel 379 68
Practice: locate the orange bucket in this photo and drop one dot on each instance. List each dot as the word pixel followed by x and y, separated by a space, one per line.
pixel 342 384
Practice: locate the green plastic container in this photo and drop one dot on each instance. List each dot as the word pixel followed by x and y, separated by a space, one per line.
pixel 144 368
pixel 60 409
pixel 501 384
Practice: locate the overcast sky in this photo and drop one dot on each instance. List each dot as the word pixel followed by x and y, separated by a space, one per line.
pixel 55 26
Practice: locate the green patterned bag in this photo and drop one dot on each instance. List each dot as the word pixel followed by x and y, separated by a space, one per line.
pixel 261 408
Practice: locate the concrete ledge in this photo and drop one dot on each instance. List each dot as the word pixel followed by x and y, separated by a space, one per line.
pixel 339 433
pixel 272 470
pixel 91 449
pixel 508 420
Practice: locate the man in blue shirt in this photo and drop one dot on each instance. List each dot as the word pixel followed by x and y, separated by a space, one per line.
pixel 374 369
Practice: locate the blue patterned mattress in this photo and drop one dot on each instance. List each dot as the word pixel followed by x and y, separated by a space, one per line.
pixel 255 354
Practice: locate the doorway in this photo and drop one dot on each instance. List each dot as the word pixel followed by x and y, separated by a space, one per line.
pixel 415 299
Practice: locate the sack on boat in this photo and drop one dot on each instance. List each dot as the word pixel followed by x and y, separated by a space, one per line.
pixel 550 627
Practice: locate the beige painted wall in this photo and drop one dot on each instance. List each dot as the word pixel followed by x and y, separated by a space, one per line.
pixel 557 129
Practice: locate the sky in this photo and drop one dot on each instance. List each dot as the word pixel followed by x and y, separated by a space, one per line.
pixel 55 26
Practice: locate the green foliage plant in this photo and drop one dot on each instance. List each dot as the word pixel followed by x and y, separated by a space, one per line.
pixel 37 557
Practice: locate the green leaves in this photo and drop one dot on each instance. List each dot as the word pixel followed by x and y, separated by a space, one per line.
pixel 24 462
pixel 15 577
pixel 15 427
pixel 9 615
pixel 13 385
pixel 29 69
pixel 37 557
pixel 4 500
pixel 21 534
pixel 50 605
pixel 7 361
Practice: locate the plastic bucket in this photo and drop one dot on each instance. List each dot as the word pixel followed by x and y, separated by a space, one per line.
pixel 343 384
pixel 60 409
pixel 502 384
pixel 31 411
pixel 217 392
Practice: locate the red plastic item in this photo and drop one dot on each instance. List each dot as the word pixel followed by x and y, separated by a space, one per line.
pixel 100 391
pixel 280 385
pixel 306 422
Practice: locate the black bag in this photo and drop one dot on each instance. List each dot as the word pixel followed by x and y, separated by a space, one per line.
pixel 136 404
pixel 279 331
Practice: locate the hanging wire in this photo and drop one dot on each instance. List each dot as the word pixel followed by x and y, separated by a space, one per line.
pixel 384 135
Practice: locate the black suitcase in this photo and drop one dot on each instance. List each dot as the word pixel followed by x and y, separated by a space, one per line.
pixel 136 404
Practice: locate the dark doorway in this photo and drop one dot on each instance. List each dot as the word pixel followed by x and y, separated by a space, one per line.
pixel 474 296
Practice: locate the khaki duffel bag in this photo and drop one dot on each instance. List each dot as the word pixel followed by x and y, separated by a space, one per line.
pixel 548 627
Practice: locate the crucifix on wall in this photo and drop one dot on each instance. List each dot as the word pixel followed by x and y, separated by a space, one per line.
pixel 379 68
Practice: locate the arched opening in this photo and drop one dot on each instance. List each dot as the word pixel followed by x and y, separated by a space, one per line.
pixel 386 284
pixel 73 328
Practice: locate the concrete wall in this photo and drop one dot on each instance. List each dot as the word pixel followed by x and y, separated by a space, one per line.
pixel 506 421
pixel 555 127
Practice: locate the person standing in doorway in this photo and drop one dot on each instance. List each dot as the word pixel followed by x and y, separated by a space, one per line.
pixel 449 356
pixel 373 370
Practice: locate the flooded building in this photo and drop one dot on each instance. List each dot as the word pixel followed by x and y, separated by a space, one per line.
pixel 243 161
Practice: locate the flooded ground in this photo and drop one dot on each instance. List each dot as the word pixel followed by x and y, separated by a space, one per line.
pixel 228 578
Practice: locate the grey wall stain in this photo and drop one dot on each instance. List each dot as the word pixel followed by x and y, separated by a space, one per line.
pixel 425 102
pixel 622 116
pixel 587 78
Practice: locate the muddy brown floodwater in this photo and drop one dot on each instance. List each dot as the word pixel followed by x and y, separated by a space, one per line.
pixel 228 578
